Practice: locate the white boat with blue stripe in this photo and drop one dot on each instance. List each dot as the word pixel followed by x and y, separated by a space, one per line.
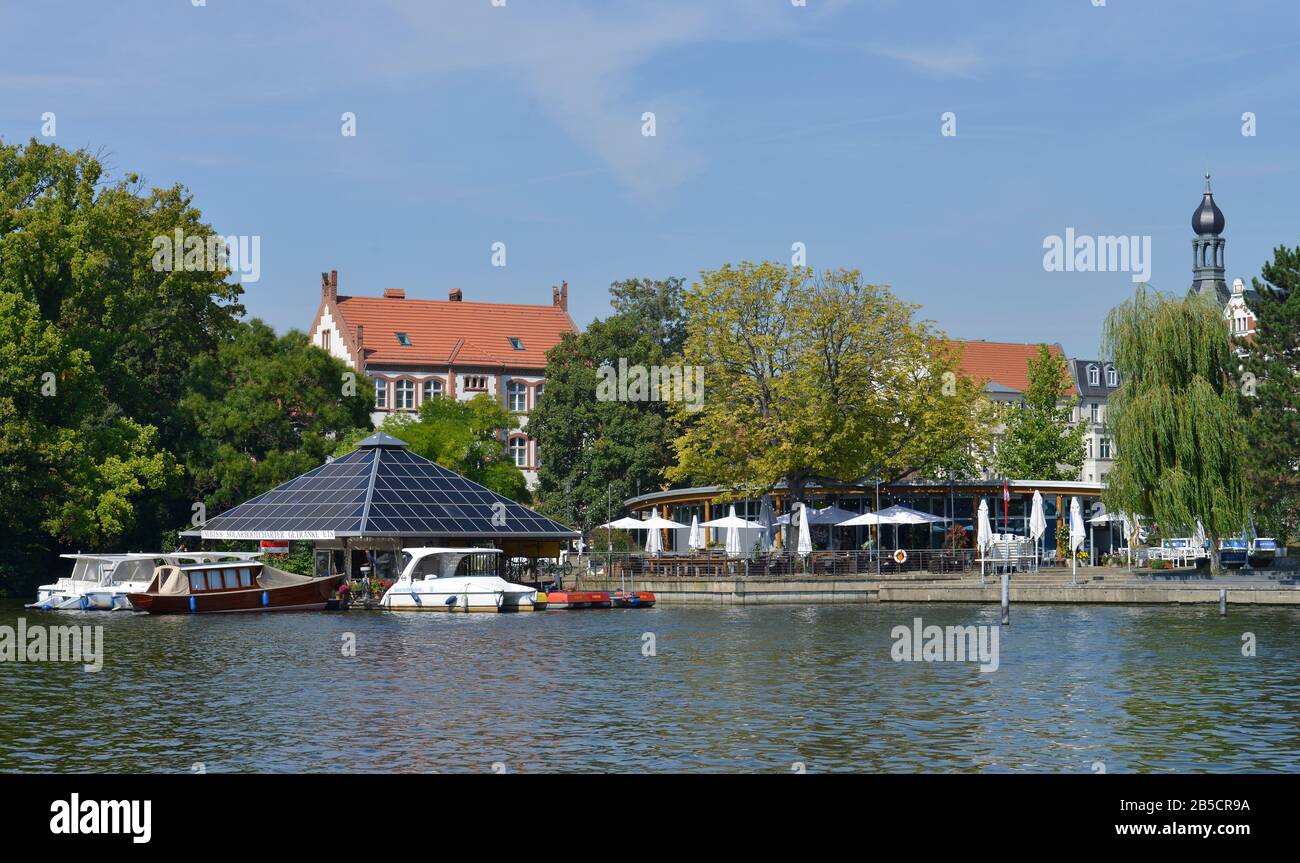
pixel 456 579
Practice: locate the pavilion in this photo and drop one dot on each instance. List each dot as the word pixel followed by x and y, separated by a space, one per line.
pixel 370 503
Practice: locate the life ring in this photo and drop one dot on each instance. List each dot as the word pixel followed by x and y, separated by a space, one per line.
pixel 900 556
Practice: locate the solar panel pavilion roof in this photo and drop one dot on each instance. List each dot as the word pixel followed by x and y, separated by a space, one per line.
pixel 380 489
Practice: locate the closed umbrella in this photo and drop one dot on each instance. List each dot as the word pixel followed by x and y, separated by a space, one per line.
pixel 1037 523
pixel 805 535
pixel 1199 540
pixel 1077 534
pixel 983 535
pixel 654 544
pixel 766 519
pixel 696 539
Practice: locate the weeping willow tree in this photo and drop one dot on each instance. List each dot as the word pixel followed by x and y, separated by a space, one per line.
pixel 1175 419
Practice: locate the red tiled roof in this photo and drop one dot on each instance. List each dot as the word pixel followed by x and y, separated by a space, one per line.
pixel 444 332
pixel 1005 363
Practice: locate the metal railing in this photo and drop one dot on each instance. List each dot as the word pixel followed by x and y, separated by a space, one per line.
pixel 715 564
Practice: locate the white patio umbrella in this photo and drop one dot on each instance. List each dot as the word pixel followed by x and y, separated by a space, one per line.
pixel 1077 534
pixel 805 535
pixel 625 523
pixel 654 524
pixel 766 522
pixel 733 524
pixel 696 540
pixel 983 534
pixel 1037 523
pixel 831 516
pixel 1127 531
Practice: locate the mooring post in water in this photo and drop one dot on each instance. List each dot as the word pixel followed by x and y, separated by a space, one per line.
pixel 1006 598
pixel 1223 603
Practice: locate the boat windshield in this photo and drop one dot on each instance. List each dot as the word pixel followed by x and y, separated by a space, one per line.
pixel 477 564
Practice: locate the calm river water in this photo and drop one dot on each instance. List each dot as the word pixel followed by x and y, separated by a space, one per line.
pixel 729 689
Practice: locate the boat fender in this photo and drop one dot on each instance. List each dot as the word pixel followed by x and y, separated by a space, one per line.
pixel 193 607
pixel 266 599
pixel 451 600
pixel 85 601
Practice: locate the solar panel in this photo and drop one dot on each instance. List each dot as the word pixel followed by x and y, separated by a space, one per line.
pixel 380 489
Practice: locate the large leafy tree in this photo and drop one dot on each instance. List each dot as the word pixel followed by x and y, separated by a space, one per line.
pixel 1176 417
pixel 463 436
pixel 263 409
pixel 597 451
pixel 1041 441
pixel 1273 414
pixel 818 376
pixel 656 306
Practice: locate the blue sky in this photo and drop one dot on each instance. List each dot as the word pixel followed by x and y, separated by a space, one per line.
pixel 775 123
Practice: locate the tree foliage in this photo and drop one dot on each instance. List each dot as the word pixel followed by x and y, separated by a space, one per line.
pixel 1273 402
pixel 1175 419
pixel 596 452
pixel 1041 440
pixel 263 409
pixel 818 376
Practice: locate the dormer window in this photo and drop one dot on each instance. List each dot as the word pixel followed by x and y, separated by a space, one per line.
pixel 1112 377
pixel 403 339
pixel 1094 376
pixel 516 343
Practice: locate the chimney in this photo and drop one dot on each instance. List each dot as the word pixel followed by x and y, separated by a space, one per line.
pixel 560 296
pixel 454 295
pixel 329 286
pixel 394 293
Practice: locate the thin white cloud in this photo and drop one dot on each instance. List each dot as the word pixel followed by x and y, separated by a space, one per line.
pixel 945 62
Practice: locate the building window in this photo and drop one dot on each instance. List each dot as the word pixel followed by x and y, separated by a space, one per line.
pixel 538 397
pixel 432 390
pixel 325 339
pixel 1112 377
pixel 517 396
pixel 476 383
pixel 1094 376
pixel 403 339
pixel 381 394
pixel 1089 447
pixel 516 343
pixel 519 451
pixel 1105 447
pixel 1096 412
pixel 406 395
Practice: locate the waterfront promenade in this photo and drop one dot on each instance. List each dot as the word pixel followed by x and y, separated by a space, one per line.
pixel 1090 585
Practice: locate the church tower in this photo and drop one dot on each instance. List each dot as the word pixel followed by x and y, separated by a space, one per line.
pixel 1207 249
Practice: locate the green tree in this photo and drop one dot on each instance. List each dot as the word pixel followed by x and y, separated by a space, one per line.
pixel 1041 440
pixel 1273 413
pixel 1176 420
pixel 657 306
pixel 594 450
pixel 264 409
pixel 462 436
pixel 812 376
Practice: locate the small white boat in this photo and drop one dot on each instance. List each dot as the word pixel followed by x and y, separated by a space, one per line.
pixel 101 582
pixel 456 579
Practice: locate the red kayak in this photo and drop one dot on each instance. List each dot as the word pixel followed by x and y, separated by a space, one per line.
pixel 577 599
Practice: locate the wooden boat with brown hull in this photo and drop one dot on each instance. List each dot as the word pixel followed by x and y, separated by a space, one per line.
pixel 232 586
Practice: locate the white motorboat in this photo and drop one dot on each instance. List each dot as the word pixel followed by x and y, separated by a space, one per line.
pixel 456 579
pixel 101 582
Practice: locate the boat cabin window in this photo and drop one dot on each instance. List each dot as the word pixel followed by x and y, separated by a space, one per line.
pixel 477 564
pixel 198 581
pixel 245 577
